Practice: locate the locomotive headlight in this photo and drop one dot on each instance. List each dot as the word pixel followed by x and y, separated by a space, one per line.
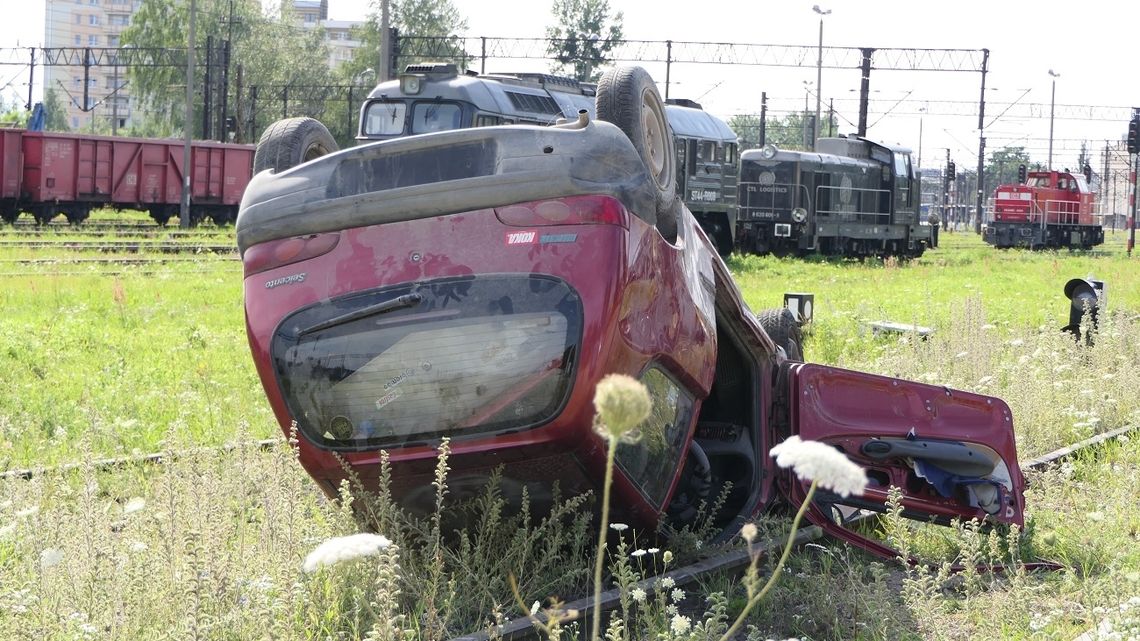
pixel 799 214
pixel 768 152
pixel 410 85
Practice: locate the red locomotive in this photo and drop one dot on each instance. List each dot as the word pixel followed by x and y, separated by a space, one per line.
pixel 1051 209
pixel 46 174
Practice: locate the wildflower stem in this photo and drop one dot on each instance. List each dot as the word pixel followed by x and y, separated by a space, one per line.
pixel 600 562
pixel 753 601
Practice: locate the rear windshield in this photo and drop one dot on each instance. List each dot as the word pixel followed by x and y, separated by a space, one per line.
pixel 450 357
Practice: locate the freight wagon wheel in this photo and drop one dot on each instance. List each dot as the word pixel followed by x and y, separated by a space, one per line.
pixel 290 142
pixel 782 328
pixel 628 98
pixel 9 213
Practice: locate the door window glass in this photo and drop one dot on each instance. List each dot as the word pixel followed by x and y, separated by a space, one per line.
pixel 655 458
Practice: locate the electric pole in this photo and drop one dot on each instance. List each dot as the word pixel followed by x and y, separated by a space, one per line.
pixel 188 126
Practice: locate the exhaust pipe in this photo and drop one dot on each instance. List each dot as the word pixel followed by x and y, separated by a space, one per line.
pixel 580 123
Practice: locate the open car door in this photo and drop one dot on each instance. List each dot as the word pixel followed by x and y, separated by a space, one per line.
pixel 951 453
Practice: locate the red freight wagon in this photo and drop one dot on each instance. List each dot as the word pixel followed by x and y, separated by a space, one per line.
pixel 11 170
pixel 73 174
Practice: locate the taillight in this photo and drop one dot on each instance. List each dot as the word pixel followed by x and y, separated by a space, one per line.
pixel 279 253
pixel 573 210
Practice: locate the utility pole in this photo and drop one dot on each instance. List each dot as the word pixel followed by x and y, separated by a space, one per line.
pixel 946 191
pixel 763 118
pixel 981 181
pixel 188 126
pixel 385 44
pixel 818 75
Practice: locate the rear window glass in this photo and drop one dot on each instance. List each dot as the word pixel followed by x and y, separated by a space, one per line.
pixel 450 357
pixel 385 119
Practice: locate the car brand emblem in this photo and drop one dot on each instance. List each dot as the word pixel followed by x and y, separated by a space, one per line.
pixel 522 237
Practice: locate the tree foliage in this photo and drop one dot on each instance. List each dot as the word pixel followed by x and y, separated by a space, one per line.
pixel 583 36
pixel 412 19
pixel 1002 166
pixel 272 50
pixel 786 133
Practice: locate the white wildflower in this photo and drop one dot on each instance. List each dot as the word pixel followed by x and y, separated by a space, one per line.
pixel 677 595
pixel 680 624
pixel 622 403
pixel 638 595
pixel 671 610
pixel 637 553
pixel 1095 517
pixel 961 354
pixel 134 505
pixel 667 582
pixel 667 557
pixel 653 550
pixel 7 529
pixel 534 608
pixel 748 532
pixel 138 546
pixel 988 326
pixel 815 461
pixel 50 558
pixel 27 512
pixel 619 527
pixel 345 548
pixel 985 380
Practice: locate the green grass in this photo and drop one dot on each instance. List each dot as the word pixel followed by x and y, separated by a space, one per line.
pixel 154 357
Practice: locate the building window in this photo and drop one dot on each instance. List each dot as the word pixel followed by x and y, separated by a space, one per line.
pixel 93 20
pixel 92 41
pixel 77 40
pixel 75 119
pixel 112 41
pixel 78 18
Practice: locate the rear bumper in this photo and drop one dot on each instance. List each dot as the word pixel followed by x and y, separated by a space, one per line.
pixel 444 173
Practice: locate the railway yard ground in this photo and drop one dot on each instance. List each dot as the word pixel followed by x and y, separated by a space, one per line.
pixel 121 339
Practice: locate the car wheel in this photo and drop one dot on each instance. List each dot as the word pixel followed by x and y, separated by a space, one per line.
pixel 628 98
pixel 782 328
pixel 290 142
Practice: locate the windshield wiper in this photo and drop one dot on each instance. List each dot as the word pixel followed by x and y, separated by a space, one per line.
pixel 399 302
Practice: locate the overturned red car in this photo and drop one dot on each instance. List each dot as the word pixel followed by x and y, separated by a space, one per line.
pixel 477 284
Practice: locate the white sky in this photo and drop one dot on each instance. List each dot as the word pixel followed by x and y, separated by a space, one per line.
pixel 1088 43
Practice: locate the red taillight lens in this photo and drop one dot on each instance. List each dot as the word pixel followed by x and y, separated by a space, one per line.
pixel 574 210
pixel 279 253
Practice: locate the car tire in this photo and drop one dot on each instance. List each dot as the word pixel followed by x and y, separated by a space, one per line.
pixel 290 142
pixel 628 97
pixel 782 328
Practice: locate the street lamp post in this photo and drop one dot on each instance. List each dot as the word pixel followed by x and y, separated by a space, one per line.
pixel 1052 100
pixel 921 112
pixel 818 74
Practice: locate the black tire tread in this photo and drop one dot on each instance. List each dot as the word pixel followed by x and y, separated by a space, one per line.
pixel 619 102
pixel 283 144
pixel 782 328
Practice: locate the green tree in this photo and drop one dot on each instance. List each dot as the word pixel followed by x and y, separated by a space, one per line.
pixel 55 113
pixel 583 37
pixel 412 19
pixel 272 50
pixel 1002 166
pixel 13 114
pixel 786 133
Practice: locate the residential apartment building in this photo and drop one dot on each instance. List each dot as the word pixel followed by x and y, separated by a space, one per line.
pixel 311 14
pixel 96 24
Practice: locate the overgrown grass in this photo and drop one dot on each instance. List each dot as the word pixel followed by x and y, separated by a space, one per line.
pixel 99 365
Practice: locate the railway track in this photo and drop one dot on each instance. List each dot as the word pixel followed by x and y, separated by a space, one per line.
pixel 732 562
pixel 123 246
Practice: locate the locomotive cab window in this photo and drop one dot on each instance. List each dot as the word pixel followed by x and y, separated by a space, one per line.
pixel 484 120
pixel 435 116
pixel 385 119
